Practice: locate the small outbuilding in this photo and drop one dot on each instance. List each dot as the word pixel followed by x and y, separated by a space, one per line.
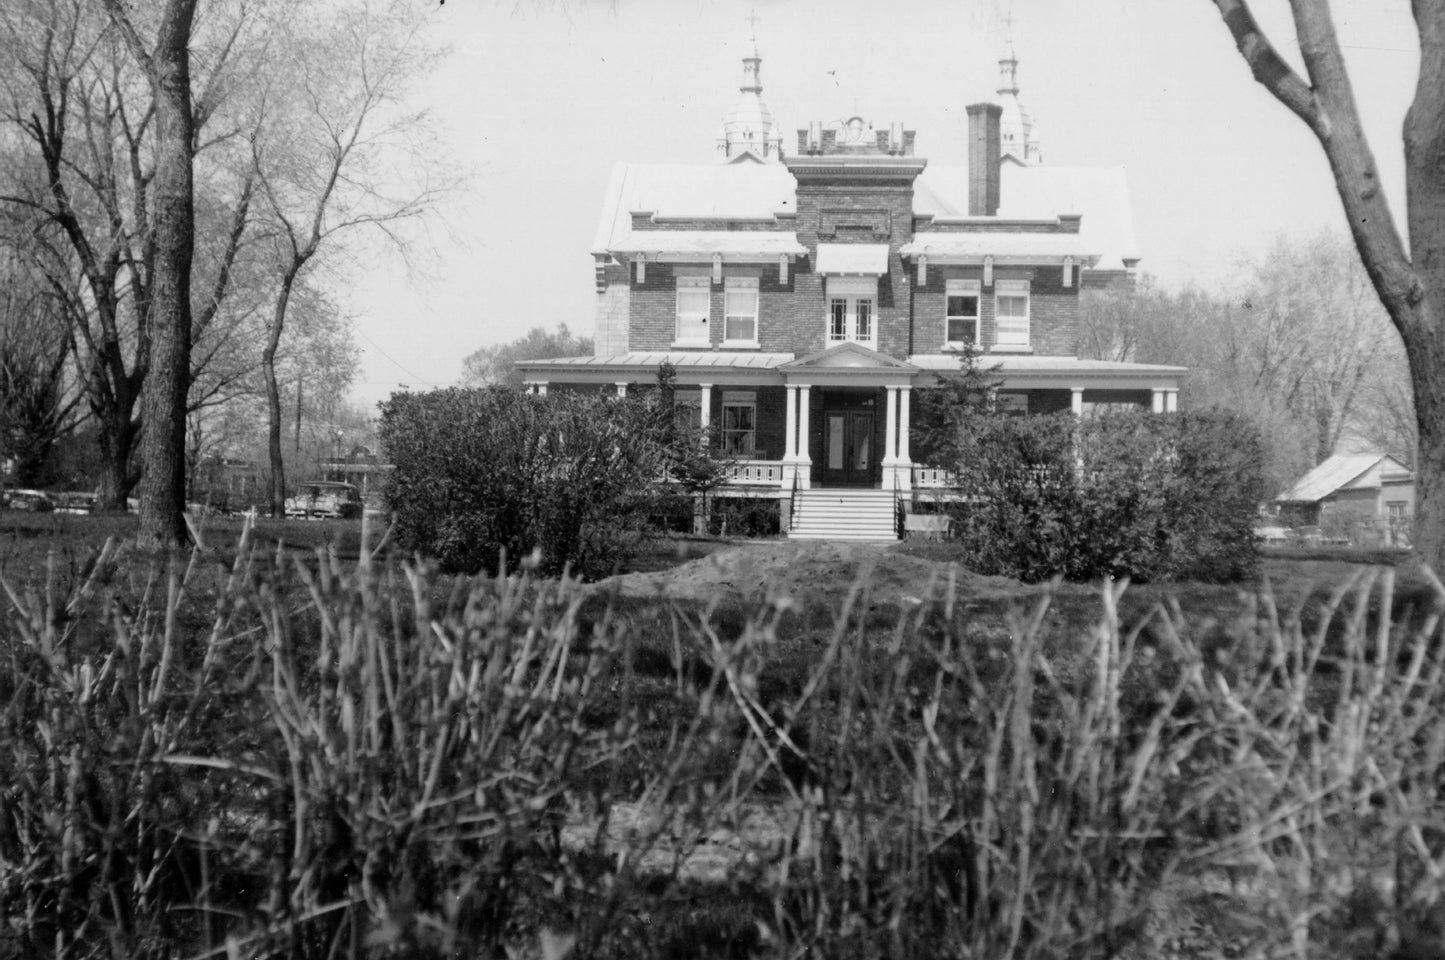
pixel 1365 498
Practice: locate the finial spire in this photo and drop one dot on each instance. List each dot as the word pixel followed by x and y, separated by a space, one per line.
pixel 749 128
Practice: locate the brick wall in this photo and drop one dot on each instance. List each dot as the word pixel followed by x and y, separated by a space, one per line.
pixel 614 313
pixel 1053 309
pixel 895 300
pixel 653 305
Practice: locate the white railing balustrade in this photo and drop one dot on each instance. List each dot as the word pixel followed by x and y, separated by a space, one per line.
pixel 933 477
pixel 760 472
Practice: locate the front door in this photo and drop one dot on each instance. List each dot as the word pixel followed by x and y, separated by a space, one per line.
pixel 848 448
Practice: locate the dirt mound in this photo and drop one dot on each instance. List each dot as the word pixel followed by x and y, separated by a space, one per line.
pixel 811 571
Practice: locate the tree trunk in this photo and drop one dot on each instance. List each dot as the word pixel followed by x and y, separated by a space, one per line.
pixel 163 402
pixel 273 392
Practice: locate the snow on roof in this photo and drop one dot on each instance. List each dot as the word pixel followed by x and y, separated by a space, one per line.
pixel 1099 194
pixel 1353 470
pixel 1002 246
pixel 740 191
pixel 762 191
pixel 726 242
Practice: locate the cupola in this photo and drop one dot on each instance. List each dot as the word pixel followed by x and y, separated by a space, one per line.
pixel 749 131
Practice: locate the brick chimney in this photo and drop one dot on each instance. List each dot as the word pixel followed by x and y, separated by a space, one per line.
pixel 983 159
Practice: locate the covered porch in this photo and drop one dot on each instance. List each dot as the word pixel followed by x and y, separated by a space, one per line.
pixel 843 417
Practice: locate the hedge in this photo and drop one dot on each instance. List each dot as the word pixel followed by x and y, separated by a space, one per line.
pixel 482 472
pixel 1138 495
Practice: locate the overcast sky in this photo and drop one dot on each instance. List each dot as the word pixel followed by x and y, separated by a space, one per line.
pixel 538 100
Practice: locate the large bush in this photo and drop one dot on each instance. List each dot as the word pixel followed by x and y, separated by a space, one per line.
pixel 1145 496
pixel 482 472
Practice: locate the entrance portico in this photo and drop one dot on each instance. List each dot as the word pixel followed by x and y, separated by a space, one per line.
pixel 861 439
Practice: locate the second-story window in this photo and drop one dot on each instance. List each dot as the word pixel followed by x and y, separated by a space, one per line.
pixel 960 320
pixel 851 310
pixel 740 311
pixel 1011 307
pixel 694 302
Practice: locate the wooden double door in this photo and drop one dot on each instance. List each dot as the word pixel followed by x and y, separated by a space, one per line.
pixel 850 448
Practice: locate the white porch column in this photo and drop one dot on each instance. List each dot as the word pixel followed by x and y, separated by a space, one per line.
pixel 1077 402
pixel 805 459
pixel 905 456
pixel 622 388
pixel 1158 401
pixel 705 399
pixel 542 389
pixel 790 437
pixel 1171 401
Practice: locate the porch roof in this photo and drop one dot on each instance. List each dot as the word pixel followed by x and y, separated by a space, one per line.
pixel 693 367
pixel 1025 371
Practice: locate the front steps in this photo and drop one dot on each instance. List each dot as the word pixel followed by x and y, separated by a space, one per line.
pixel 843 514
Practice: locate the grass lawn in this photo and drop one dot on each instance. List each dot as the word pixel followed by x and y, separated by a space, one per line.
pixel 729 751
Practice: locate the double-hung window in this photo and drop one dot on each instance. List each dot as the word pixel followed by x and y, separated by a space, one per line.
pixel 960 322
pixel 851 309
pixel 1011 309
pixel 739 422
pixel 740 311
pixel 694 303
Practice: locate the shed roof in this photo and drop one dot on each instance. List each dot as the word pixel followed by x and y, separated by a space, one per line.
pixel 1359 471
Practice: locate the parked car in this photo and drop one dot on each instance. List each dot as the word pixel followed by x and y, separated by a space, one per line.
pixel 75 502
pixel 36 500
pixel 325 499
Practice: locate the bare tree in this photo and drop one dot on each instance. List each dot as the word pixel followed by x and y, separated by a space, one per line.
pixel 497 365
pixel 110 214
pixel 1410 283
pixel 37 395
pixel 334 122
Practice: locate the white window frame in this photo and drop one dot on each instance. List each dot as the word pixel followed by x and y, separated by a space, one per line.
pixel 963 288
pixel 1012 333
pixel 733 286
pixel 690 283
pixel 850 292
pixel 740 400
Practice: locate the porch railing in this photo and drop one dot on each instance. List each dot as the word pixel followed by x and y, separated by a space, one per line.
pixel 759 472
pixel 933 478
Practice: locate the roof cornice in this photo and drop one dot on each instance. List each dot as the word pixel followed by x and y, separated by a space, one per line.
pixel 836 165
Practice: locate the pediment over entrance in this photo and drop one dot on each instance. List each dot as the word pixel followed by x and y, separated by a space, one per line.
pixel 849 356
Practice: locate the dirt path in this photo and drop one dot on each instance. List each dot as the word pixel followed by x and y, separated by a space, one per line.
pixel 813 572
